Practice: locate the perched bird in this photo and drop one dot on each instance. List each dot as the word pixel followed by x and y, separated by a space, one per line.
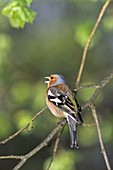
pixel 62 103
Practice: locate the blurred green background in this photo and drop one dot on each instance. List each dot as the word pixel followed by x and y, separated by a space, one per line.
pixel 54 44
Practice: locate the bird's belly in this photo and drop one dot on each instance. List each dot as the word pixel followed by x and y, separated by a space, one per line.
pixel 55 110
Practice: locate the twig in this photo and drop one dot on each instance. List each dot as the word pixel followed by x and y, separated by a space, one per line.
pixel 14 135
pixel 90 39
pixel 62 123
pixel 86 86
pixel 12 157
pixel 93 109
pixel 103 83
pixel 25 127
pixel 88 124
pixel 24 158
pixel 39 147
pixel 55 147
pixel 37 114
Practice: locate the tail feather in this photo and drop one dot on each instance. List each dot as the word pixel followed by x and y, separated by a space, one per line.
pixel 73 131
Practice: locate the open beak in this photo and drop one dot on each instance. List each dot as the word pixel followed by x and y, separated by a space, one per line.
pixel 47 81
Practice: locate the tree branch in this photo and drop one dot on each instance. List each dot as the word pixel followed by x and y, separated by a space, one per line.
pixel 25 127
pixel 12 157
pixel 56 147
pixel 89 41
pixel 39 147
pixel 86 86
pixel 93 109
pixel 102 84
pixel 24 158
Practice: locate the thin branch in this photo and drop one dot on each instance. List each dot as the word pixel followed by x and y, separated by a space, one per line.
pixel 55 147
pixel 86 87
pixel 37 114
pixel 40 146
pixel 88 124
pixel 62 123
pixel 24 158
pixel 90 39
pixel 102 84
pixel 25 127
pixel 12 157
pixel 93 109
pixel 14 135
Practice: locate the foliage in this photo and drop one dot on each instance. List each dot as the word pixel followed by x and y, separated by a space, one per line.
pixel 18 13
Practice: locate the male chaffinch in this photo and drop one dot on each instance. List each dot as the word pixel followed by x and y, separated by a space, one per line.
pixel 62 103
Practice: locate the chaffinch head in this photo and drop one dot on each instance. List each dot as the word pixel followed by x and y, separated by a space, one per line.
pixel 62 103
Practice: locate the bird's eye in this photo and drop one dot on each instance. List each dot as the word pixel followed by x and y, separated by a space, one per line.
pixel 51 78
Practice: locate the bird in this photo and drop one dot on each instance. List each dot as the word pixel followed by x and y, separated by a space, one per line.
pixel 62 102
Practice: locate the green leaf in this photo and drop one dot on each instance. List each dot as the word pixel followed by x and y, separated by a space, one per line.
pixel 6 10
pixel 29 15
pixel 26 2
pixel 18 14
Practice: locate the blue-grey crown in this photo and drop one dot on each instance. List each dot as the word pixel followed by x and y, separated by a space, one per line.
pixel 60 80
